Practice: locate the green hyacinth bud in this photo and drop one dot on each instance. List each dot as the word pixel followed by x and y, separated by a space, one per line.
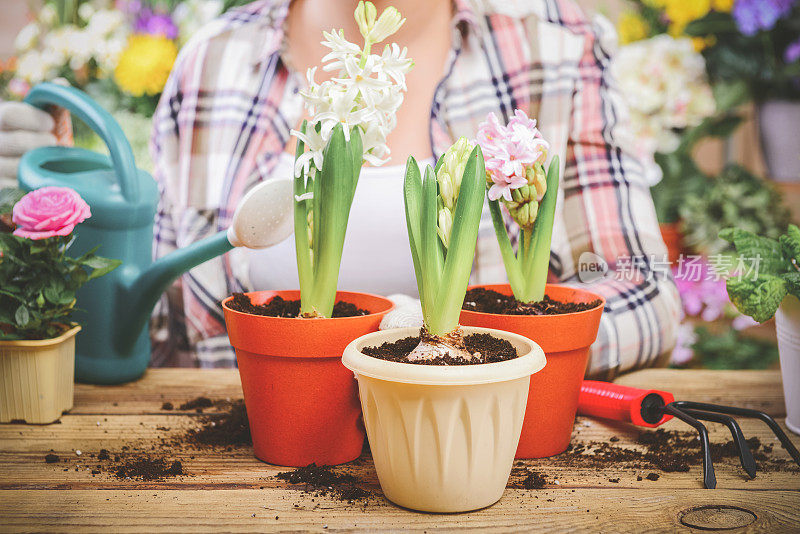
pixel 449 178
pixel 445 226
pixel 524 204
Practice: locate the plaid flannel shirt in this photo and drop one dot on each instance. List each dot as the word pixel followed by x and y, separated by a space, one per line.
pixel 228 107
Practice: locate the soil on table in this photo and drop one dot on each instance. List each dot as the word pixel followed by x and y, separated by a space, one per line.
pixel 485 300
pixel 488 348
pixel 324 480
pixel 228 428
pixel 147 468
pixel 280 307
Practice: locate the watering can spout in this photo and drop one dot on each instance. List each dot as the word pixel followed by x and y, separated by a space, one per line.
pixel 142 290
pixel 114 346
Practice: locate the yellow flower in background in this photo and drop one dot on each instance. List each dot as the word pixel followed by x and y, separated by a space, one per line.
pixel 145 64
pixel 723 6
pixel 631 27
pixel 682 12
pixel 701 43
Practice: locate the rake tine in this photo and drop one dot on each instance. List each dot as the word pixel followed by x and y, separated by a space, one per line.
pixel 786 443
pixel 745 455
pixel 709 479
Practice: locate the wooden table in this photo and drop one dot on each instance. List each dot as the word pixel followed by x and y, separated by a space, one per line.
pixel 232 491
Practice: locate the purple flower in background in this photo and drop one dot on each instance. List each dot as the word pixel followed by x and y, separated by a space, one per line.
pixel 792 52
pixel 156 24
pixel 754 15
pixel 129 7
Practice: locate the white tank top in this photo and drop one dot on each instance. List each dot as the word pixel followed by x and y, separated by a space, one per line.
pixel 376 256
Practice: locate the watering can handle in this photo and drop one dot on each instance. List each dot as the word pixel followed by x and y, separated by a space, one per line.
pixel 101 122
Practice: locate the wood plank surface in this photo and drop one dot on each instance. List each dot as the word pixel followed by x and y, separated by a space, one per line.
pixel 222 489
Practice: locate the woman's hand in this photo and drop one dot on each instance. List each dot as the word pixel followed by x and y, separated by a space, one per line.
pixel 22 128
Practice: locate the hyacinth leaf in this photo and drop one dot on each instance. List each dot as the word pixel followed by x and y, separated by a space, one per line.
pixel 356 148
pixel 333 196
pixel 461 251
pixel 535 269
pixel 412 197
pixel 431 257
pixel 510 259
pixel 302 249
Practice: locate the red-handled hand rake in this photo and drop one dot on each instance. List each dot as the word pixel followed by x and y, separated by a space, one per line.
pixel 651 408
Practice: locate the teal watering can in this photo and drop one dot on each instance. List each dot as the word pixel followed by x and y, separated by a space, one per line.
pixel 114 345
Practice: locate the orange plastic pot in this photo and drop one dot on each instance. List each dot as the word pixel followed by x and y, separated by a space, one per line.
pixel 302 403
pixel 553 395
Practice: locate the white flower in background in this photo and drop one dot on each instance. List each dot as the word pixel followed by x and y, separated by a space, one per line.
pixel 35 67
pixel 191 15
pixel 27 37
pixel 105 22
pixel 663 81
pixel 366 90
pixel 48 15
pixel 85 11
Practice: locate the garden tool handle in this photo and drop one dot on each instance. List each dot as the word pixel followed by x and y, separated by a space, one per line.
pixel 101 122
pixel 642 407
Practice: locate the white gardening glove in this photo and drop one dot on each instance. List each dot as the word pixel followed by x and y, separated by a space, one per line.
pixel 22 128
pixel 407 312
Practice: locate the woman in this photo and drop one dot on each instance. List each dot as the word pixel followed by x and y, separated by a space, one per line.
pixel 223 125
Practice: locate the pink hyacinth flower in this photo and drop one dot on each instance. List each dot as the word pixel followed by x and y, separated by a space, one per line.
pixel 509 151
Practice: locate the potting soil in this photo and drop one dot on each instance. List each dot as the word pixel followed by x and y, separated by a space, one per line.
pixel 485 300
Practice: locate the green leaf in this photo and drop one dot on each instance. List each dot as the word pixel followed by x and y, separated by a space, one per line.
pixel 8 197
pixel 751 247
pixel 461 249
pixel 22 316
pixel 333 196
pixel 512 264
pixel 792 283
pixel 758 298
pixel 430 252
pixel 536 271
pixel 103 266
pixel 412 198
pixel 790 243
pixel 729 95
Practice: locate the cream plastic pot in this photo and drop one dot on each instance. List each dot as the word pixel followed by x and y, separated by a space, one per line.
pixel 443 438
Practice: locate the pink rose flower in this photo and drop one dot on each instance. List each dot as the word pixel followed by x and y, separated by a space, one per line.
pixel 49 212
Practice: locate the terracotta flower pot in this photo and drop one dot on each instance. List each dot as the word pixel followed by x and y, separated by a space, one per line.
pixel 673 238
pixel 36 378
pixel 443 437
pixel 565 339
pixel 301 402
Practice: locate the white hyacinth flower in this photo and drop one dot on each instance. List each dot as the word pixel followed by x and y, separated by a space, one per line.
pixel 365 92
pixel 375 29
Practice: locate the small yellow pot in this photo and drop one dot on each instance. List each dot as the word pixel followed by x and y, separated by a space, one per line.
pixel 443 438
pixel 36 378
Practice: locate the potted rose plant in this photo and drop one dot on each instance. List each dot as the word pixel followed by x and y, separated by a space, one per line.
pixel 301 402
pixel 766 283
pixel 443 406
pixel 37 299
pixel 562 320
